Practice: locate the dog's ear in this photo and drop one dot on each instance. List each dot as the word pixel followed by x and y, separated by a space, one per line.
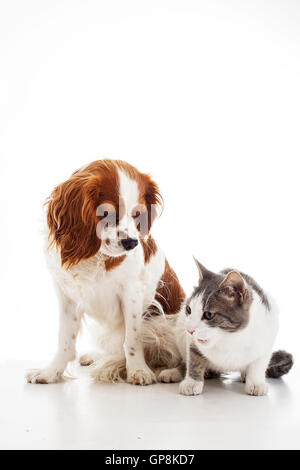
pixel 151 203
pixel 153 199
pixel 72 217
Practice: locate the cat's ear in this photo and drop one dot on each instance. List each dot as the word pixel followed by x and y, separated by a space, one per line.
pixel 201 270
pixel 233 286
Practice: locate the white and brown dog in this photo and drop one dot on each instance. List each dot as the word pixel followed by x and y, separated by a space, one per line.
pixel 106 265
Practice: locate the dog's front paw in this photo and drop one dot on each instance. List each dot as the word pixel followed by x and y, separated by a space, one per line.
pixel 190 386
pixel 170 375
pixel 43 376
pixel 257 390
pixel 141 377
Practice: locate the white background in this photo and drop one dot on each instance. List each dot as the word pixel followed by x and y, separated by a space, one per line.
pixel 204 95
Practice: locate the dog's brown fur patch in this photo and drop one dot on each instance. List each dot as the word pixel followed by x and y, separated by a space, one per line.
pixel 170 294
pixel 113 262
pixel 149 247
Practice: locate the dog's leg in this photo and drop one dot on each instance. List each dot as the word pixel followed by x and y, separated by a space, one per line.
pixel 69 324
pixel 138 373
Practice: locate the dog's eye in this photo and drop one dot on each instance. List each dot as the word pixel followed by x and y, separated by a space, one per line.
pixel 188 310
pixel 109 219
pixel 208 315
pixel 109 215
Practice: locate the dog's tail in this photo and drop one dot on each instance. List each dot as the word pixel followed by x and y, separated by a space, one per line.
pixel 280 364
pixel 157 336
pixel 110 369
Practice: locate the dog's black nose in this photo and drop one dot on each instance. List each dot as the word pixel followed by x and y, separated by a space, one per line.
pixel 129 243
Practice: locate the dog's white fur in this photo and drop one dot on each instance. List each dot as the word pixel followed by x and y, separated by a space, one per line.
pixel 117 299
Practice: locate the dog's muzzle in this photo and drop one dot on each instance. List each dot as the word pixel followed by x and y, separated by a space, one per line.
pixel 129 243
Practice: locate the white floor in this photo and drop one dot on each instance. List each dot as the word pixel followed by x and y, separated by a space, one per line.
pixel 78 414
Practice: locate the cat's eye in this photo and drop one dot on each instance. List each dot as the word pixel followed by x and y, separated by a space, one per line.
pixel 188 310
pixel 208 315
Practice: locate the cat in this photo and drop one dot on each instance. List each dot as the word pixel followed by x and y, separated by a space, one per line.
pixel 227 324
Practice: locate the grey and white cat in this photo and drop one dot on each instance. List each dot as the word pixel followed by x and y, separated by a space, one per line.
pixel 227 324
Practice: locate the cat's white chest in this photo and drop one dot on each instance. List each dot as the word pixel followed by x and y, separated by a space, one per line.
pixel 233 355
pixel 235 351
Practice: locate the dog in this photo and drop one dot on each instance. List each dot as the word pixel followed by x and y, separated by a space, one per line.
pixel 106 265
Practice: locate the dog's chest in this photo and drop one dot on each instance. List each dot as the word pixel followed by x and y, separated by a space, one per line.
pixel 98 291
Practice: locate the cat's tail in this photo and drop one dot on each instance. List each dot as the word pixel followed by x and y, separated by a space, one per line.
pixel 280 364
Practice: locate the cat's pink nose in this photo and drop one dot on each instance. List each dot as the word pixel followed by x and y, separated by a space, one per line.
pixel 191 331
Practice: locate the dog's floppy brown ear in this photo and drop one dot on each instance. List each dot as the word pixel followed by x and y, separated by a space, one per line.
pixel 151 203
pixel 72 217
pixel 154 200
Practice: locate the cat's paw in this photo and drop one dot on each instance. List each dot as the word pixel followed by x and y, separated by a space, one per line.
pixel 190 386
pixel 170 375
pixel 257 390
pixel 43 376
pixel 141 377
